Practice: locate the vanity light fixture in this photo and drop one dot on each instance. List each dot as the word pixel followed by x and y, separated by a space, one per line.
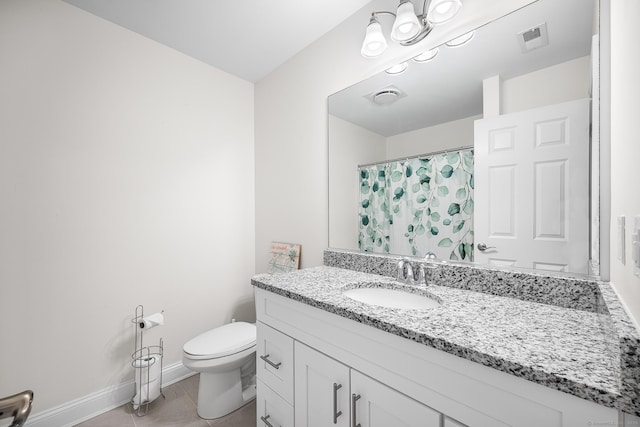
pixel 397 69
pixel 461 40
pixel 426 56
pixel 408 27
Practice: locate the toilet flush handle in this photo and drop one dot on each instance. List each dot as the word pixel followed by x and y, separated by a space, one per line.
pixel 266 359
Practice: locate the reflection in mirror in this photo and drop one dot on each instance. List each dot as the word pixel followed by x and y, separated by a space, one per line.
pixel 482 152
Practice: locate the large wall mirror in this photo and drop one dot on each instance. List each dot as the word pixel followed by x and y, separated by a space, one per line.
pixel 487 152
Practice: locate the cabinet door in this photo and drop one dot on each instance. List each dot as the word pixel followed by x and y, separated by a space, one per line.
pixel 321 389
pixel 271 409
pixel 376 405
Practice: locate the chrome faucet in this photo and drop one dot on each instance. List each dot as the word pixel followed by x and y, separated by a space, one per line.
pixel 402 269
pixel 409 273
pixel 416 273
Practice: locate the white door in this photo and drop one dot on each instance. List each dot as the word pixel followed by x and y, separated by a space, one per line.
pixel 532 188
pixel 376 405
pixel 321 389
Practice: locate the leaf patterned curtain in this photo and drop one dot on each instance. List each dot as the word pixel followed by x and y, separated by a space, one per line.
pixel 419 205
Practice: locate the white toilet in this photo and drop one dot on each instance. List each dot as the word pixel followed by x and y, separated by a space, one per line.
pixel 225 357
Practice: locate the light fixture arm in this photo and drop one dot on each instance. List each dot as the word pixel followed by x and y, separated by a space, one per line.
pixel 373 14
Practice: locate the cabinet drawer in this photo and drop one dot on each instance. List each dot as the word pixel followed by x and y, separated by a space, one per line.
pixel 271 409
pixel 274 365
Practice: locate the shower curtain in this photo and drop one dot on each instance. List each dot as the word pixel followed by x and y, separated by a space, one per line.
pixel 418 205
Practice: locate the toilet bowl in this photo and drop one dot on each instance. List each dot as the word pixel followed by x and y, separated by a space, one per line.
pixel 225 359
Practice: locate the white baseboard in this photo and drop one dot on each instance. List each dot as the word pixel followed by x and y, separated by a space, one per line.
pixel 79 410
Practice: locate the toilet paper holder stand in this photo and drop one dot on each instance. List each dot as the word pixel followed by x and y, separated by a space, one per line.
pixel 147 365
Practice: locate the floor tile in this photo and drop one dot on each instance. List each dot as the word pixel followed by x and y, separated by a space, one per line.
pixel 120 416
pixel 190 386
pixel 176 409
pixel 243 417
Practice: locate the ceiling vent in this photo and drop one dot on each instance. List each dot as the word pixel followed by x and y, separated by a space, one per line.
pixel 386 96
pixel 533 38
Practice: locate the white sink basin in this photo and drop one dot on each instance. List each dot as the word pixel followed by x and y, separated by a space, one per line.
pixel 392 298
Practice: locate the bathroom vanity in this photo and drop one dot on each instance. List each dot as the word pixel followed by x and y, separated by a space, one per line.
pixel 476 359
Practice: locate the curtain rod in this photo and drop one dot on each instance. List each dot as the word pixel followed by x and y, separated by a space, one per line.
pixel 434 153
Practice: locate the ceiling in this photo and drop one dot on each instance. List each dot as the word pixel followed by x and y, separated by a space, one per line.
pixel 450 86
pixel 247 38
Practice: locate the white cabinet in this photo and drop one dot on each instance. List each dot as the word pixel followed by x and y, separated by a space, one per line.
pixel 272 410
pixel 274 361
pixel 328 393
pixel 374 404
pixel 274 368
pixel 400 382
pixel 321 389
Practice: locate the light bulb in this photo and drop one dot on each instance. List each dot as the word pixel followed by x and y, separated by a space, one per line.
pixel 426 56
pixel 397 69
pixel 461 40
pixel 441 11
pixel 374 42
pixel 406 26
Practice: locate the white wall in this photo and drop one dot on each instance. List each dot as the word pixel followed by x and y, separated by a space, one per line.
pixel 291 124
pixel 563 82
pixel 625 143
pixel 445 136
pixel 126 178
pixel 351 145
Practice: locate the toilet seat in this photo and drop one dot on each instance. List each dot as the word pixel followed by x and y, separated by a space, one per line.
pixel 223 341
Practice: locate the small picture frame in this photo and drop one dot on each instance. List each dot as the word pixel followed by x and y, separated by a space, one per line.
pixel 284 257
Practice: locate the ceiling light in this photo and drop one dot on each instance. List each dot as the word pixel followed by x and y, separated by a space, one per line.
pixel 397 69
pixel 426 56
pixel 374 42
pixel 408 27
pixel 441 11
pixel 463 39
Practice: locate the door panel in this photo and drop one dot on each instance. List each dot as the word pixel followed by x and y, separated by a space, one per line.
pixel 532 188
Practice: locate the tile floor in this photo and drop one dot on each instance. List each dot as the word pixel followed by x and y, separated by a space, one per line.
pixel 178 409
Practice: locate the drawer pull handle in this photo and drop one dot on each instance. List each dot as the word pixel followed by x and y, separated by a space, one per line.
pixel 354 399
pixel 264 420
pixel 266 359
pixel 336 413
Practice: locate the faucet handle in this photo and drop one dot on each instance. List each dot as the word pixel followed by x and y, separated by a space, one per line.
pixel 401 267
pixel 421 275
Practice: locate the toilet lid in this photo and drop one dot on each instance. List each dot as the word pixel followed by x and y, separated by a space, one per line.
pixel 222 341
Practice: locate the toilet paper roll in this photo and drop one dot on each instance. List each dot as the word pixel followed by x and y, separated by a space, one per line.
pixel 152 321
pixel 147 379
pixel 147 369
pixel 146 393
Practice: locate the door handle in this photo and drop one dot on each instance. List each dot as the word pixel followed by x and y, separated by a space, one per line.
pixel 483 247
pixel 354 399
pixel 265 357
pixel 336 413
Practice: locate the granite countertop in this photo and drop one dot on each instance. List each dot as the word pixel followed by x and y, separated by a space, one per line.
pixel 570 350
